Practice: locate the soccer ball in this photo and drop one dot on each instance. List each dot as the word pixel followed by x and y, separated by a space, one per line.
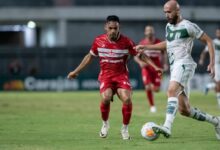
pixel 147 132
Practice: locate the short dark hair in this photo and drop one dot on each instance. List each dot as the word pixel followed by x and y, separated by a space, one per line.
pixel 113 18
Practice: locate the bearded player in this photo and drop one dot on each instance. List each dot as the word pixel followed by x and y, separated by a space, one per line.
pixel 180 34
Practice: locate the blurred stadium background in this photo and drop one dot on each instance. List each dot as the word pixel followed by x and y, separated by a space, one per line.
pixel 42 40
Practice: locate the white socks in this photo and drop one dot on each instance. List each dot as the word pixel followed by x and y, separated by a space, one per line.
pixel 201 116
pixel 211 86
pixel 172 107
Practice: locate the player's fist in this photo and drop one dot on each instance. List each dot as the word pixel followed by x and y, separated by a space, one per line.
pixel 159 71
pixel 139 48
pixel 72 75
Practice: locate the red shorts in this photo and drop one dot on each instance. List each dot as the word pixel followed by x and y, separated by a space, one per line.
pixel 114 83
pixel 150 75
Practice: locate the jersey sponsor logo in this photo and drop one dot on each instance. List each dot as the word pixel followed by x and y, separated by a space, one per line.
pixel 111 55
pixel 176 34
pixel 104 52
pixel 112 61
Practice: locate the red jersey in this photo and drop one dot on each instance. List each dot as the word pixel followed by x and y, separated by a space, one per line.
pixel 151 53
pixel 112 55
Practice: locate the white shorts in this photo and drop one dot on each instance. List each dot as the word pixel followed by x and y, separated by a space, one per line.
pixel 217 72
pixel 183 73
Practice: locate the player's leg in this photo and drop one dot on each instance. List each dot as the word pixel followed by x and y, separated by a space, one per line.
pixel 218 92
pixel 147 80
pixel 208 87
pixel 180 76
pixel 125 96
pixel 156 82
pixel 106 95
pixel 172 106
pixel 217 79
pixel 156 78
pixel 186 110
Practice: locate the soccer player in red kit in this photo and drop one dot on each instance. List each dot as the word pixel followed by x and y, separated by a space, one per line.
pixel 113 50
pixel 150 76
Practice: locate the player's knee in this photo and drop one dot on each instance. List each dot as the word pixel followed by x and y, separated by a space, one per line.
pixel 106 99
pixel 171 92
pixel 148 87
pixel 126 100
pixel 156 89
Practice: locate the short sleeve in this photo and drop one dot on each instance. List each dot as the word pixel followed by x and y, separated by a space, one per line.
pixel 131 49
pixel 94 49
pixel 194 30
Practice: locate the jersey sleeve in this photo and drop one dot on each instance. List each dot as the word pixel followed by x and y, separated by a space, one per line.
pixel 94 48
pixel 194 30
pixel 131 49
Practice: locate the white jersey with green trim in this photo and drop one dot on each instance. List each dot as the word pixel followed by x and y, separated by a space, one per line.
pixel 216 43
pixel 179 40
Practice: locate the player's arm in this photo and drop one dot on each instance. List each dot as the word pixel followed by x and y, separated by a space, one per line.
pixel 159 46
pixel 165 61
pixel 208 41
pixel 147 60
pixel 85 62
pixel 139 61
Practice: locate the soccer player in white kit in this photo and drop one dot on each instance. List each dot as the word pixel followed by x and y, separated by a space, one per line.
pixel 216 85
pixel 180 34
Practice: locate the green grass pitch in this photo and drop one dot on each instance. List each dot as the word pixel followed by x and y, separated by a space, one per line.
pixel 71 121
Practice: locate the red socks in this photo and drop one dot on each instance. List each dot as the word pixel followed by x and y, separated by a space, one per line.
pixel 104 111
pixel 126 112
pixel 150 97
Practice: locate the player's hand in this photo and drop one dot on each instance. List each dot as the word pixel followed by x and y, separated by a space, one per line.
pixel 72 75
pixel 140 48
pixel 211 69
pixel 159 71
